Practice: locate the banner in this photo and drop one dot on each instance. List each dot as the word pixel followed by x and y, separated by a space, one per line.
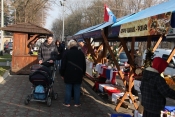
pixel 154 25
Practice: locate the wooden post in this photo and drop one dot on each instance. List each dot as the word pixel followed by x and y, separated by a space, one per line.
pixel 101 54
pixel 157 43
pixel 171 55
pixel 120 50
pixel 149 42
pixel 112 55
pixel 91 50
pixel 104 52
pixel 32 38
pixel 131 59
pixel 132 48
pixel 100 47
pixel 127 52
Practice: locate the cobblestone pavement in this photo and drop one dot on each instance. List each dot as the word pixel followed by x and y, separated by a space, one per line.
pixel 15 88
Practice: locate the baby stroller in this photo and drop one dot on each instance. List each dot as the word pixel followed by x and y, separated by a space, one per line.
pixel 42 79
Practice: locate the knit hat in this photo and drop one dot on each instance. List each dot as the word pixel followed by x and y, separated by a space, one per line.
pixel 159 64
pixel 80 40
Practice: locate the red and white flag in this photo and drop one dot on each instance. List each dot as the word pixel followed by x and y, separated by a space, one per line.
pixel 108 15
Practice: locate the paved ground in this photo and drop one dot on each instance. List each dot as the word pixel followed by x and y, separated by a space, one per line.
pixel 16 87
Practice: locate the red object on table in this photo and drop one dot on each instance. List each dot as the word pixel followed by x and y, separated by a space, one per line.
pixel 111 89
pixel 113 81
pixel 104 71
pixel 110 92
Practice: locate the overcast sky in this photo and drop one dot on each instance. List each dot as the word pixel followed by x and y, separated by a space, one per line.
pixel 52 15
pixel 57 9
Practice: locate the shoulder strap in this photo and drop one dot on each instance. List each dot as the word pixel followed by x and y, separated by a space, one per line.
pixel 75 65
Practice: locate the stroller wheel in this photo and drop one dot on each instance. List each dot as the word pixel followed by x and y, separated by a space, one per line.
pixel 55 96
pixel 49 101
pixel 27 100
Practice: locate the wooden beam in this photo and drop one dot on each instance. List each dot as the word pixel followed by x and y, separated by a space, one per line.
pixel 91 50
pixel 128 92
pixel 149 42
pixel 120 48
pixel 132 48
pixel 157 43
pixel 121 101
pixel 127 52
pixel 100 47
pixel 104 52
pixel 171 55
pixel 32 38
pixel 132 68
pixel 92 41
pixel 112 55
pixel 101 54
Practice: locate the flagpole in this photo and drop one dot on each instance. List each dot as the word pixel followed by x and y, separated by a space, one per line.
pixel 2 25
pixel 63 4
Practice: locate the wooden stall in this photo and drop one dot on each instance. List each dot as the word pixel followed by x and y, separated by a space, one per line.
pixel 135 28
pixel 139 27
pixel 23 35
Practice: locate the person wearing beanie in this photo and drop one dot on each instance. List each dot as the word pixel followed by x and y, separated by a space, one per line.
pixel 154 89
pixel 82 46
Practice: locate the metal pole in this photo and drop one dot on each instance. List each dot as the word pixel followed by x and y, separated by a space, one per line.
pixel 2 23
pixel 63 22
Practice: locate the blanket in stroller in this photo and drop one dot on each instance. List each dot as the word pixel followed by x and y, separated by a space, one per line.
pixel 40 75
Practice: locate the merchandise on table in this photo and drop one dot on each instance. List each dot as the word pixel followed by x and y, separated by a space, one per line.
pixel 170 82
pixel 169 110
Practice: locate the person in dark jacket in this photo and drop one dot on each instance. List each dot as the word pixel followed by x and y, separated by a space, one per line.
pixel 154 89
pixel 73 68
pixel 47 53
pixel 82 46
pixel 60 53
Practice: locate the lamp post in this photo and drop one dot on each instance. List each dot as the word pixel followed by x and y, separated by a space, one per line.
pixel 63 4
pixel 2 24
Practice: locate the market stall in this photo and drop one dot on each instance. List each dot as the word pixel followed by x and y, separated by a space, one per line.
pixel 152 23
pixel 24 34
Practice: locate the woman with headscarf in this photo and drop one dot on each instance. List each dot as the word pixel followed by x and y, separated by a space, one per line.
pixel 154 89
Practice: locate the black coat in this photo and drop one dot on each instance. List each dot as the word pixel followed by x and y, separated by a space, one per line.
pixel 73 66
pixel 60 50
pixel 154 90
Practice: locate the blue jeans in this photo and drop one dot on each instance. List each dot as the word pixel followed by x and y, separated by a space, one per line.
pixel 68 93
pixel 58 63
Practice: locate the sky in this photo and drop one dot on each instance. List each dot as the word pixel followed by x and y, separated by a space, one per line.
pixel 57 11
pixel 52 15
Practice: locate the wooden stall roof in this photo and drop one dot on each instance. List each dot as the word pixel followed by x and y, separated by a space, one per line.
pixel 26 28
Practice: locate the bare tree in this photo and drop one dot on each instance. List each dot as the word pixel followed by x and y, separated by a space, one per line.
pixel 82 14
pixel 33 11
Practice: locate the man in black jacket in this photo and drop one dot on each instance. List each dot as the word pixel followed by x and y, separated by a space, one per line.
pixel 73 68
pixel 154 89
pixel 47 53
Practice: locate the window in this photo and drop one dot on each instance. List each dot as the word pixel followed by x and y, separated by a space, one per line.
pixel 165 57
